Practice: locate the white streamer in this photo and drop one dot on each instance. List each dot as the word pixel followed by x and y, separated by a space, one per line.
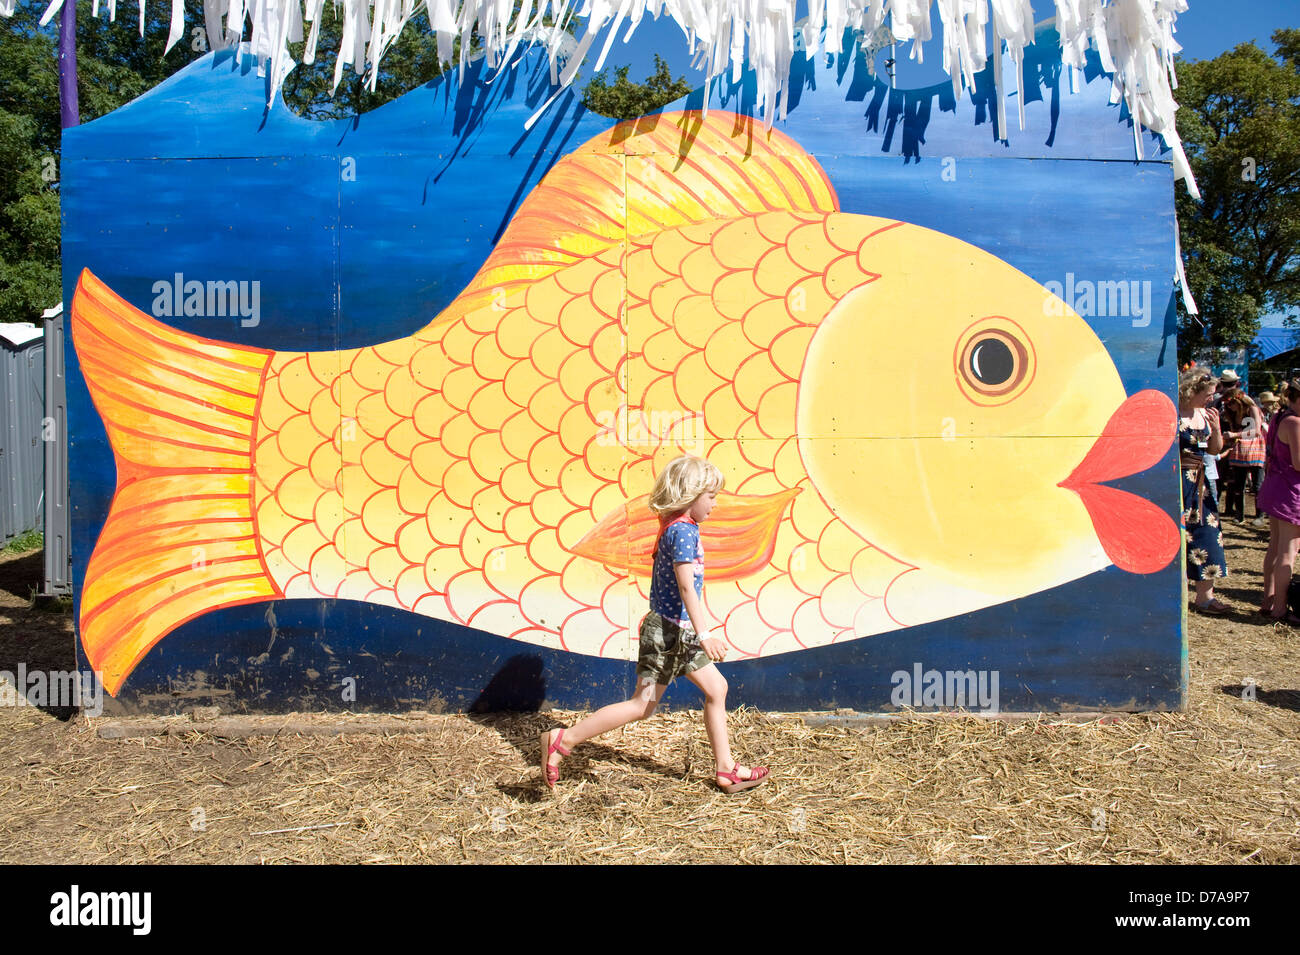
pixel 1180 273
pixel 1134 40
pixel 57 5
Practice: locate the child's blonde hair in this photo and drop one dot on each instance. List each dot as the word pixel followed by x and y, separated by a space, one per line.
pixel 681 482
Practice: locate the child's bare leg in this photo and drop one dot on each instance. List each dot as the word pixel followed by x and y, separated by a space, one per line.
pixel 611 717
pixel 714 686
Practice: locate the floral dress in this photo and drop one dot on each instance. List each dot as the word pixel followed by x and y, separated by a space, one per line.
pixel 1205 559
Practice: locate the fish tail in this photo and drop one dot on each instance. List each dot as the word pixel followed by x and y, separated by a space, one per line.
pixel 180 539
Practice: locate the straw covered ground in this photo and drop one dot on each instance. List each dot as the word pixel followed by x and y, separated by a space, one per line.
pixel 1216 784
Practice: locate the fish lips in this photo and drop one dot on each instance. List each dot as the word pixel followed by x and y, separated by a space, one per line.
pixel 1136 535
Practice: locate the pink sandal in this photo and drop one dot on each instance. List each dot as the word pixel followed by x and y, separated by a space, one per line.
pixel 756 775
pixel 551 773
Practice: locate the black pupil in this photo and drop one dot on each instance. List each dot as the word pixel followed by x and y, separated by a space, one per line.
pixel 991 361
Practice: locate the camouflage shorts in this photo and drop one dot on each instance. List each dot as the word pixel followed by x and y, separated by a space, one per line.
pixel 668 650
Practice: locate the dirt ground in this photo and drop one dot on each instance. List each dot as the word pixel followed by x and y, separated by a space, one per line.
pixel 1216 784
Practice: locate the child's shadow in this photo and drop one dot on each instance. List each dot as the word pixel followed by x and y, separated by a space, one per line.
pixel 510 704
pixel 522 730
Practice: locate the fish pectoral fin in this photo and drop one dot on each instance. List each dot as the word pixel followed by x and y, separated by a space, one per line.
pixel 180 538
pixel 738 538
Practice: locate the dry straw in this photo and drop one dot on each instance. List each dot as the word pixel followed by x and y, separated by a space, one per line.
pixel 1215 784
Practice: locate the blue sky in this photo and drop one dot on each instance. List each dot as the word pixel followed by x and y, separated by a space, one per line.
pixel 1211 26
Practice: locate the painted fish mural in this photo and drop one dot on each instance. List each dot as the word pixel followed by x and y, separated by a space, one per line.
pixel 872 391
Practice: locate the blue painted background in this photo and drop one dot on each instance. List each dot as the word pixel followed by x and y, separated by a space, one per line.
pixel 197 177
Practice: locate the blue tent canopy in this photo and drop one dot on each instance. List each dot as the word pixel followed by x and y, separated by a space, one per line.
pixel 1271 342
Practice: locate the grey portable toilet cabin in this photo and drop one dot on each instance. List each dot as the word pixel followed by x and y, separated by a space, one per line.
pixel 58 561
pixel 22 453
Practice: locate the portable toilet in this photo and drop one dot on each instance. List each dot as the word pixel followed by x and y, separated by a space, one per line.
pixel 22 455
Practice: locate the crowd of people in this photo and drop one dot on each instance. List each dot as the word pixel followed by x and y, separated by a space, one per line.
pixel 1229 441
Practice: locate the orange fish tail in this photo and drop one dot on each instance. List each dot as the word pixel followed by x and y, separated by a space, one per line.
pixel 180 538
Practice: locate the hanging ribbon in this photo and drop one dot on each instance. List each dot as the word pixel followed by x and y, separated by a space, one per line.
pixel 1133 39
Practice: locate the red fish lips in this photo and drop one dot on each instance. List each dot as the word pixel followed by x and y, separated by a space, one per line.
pixel 1136 535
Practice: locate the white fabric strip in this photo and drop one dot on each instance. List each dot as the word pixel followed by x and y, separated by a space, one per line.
pixel 1134 39
pixel 1180 273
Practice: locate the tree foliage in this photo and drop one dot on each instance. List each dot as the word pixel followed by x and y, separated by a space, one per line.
pixel 410 61
pixel 114 66
pixel 1239 119
pixel 624 99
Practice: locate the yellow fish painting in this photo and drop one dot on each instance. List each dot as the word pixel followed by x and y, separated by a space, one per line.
pixel 677 286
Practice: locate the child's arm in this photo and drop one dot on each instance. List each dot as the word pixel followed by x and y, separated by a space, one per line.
pixel 685 573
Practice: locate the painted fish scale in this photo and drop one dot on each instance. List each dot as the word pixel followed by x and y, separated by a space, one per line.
pixel 757 408
pixel 672 329
pixel 444 480
pixel 285 458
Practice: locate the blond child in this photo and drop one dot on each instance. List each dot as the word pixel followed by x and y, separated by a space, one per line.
pixel 674 640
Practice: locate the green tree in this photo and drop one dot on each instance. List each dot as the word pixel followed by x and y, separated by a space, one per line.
pixel 626 100
pixel 1239 119
pixel 411 60
pixel 29 223
pixel 114 66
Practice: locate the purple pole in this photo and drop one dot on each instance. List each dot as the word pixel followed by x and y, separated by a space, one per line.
pixel 68 64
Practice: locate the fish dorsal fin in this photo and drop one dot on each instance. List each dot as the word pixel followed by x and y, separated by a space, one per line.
pixel 645 176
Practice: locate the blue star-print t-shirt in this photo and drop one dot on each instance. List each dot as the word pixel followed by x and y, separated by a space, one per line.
pixel 679 543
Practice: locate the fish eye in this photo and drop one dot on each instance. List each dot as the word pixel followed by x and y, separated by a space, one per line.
pixel 994 361
pixel 991 361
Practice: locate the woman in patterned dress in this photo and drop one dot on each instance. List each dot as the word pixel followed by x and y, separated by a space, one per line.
pixel 1198 434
